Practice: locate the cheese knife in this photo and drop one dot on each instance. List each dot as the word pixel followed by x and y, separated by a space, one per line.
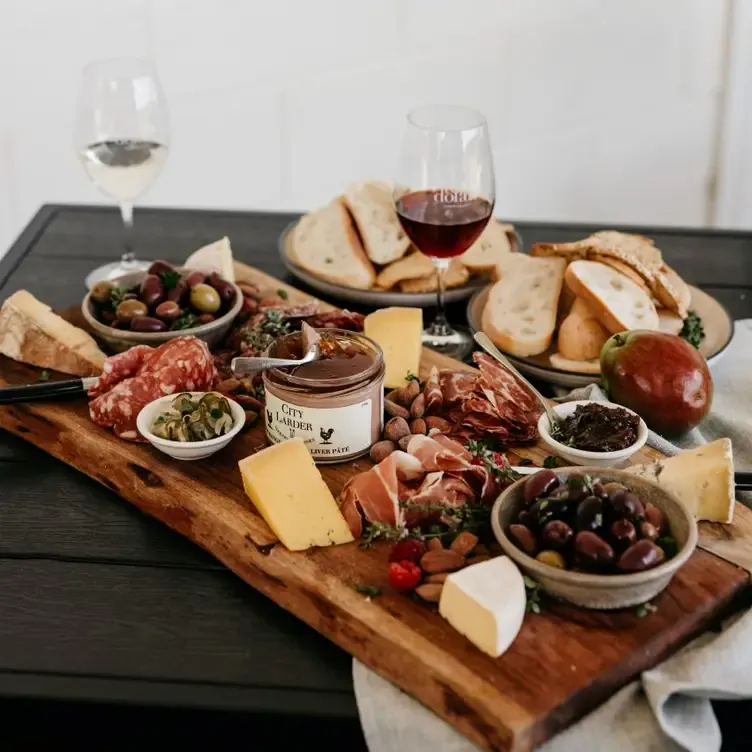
pixel 46 390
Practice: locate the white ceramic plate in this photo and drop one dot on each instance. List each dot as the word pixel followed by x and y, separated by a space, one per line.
pixel 718 325
pixel 375 298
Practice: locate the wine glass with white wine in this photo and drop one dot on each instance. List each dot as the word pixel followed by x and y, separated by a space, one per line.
pixel 122 134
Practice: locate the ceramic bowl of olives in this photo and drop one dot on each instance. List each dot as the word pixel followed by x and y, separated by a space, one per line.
pixel 164 302
pixel 597 537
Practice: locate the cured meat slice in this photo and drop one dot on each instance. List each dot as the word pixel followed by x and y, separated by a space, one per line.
pixel 120 367
pixel 432 390
pixel 435 455
pixel 457 385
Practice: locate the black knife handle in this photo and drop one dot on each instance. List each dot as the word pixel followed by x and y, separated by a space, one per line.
pixel 43 390
pixel 743 480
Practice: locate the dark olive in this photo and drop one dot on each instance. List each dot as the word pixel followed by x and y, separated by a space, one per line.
pixel 178 293
pixel 625 505
pixel 539 484
pixel 222 286
pixel 599 490
pixel 524 538
pixel 205 318
pixel 576 488
pixel 592 551
pixel 206 299
pixel 130 309
pixel 589 516
pixel 147 324
pixel 647 530
pixel 107 318
pixel 557 535
pixel 101 291
pixel 547 509
pixel 194 278
pixel 655 517
pixel 160 267
pixel 641 556
pixel 526 518
pixel 613 487
pixel 669 546
pixel 168 311
pixel 152 290
pixel 623 534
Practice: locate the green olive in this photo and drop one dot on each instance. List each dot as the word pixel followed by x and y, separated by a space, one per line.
pixel 552 558
pixel 130 309
pixel 205 298
pixel 101 291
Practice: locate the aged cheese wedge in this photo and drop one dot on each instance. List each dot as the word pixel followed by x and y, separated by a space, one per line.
pixel 215 257
pixel 398 332
pixel 702 478
pixel 485 602
pixel 287 489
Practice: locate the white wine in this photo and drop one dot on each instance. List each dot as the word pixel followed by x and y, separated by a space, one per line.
pixel 124 168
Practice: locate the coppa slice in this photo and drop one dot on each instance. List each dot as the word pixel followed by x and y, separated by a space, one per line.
pixel 520 315
pixel 618 302
pixel 287 489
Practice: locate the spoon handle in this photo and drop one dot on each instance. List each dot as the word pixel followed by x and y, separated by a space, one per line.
pixel 485 342
pixel 243 366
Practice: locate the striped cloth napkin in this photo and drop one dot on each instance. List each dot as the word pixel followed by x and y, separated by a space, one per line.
pixel 668 709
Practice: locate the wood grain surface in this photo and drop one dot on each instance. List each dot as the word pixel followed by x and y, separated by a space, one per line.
pixel 565 661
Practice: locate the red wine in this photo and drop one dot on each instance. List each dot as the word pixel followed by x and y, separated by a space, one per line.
pixel 443 223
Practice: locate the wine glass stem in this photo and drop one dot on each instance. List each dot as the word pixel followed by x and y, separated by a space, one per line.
pixel 126 212
pixel 440 326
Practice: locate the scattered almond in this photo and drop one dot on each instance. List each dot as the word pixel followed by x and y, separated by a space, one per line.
pixel 381 450
pixel 477 559
pixel 404 441
pixel 395 429
pixel 464 543
pixel 394 410
pixel 251 416
pixel 399 397
pixel 430 591
pixel 444 560
pixel 418 407
pixel 418 425
pixel 434 544
pixel 440 577
pixel 412 390
pixel 434 421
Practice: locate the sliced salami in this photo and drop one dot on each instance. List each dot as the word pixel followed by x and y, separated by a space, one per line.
pixel 120 367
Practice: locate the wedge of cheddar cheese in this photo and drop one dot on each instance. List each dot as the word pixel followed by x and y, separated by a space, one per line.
pixel 289 492
pixel 398 332
pixel 702 479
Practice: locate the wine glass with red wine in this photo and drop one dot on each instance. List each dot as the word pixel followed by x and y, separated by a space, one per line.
pixel 444 195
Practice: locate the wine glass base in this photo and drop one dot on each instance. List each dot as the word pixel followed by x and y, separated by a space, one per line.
pixel 457 344
pixel 114 270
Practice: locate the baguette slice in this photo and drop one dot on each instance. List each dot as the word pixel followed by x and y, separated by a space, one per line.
pixel 669 321
pixel 490 248
pixel 672 291
pixel 587 367
pixel 325 243
pixel 454 276
pixel 372 207
pixel 619 303
pixel 414 266
pixel 520 315
pixel 31 333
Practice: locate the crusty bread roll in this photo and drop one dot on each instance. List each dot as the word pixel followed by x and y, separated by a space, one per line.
pixel 581 335
pixel 325 243
pixel 412 266
pixel 669 321
pixel 672 291
pixel 589 367
pixel 618 302
pixel 520 315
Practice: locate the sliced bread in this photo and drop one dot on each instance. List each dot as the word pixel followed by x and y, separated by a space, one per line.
pixel 30 332
pixel 413 266
pixel 520 315
pixel 372 207
pixel 589 367
pixel 490 248
pixel 669 321
pixel 454 276
pixel 325 244
pixel 618 302
pixel 672 291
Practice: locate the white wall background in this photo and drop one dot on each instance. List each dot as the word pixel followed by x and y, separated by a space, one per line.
pixel 620 111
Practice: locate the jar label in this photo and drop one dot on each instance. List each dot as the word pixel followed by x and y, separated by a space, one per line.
pixel 328 432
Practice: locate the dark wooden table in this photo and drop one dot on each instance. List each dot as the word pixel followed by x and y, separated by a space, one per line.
pixel 106 614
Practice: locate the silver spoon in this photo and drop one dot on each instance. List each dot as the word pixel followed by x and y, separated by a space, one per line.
pixel 310 341
pixel 485 342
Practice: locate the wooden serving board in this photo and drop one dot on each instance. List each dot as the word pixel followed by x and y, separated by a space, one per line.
pixel 564 663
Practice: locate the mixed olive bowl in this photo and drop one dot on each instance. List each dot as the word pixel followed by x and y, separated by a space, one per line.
pixel 119 340
pixel 593 590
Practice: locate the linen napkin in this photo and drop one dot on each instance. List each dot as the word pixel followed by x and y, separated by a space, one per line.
pixel 668 709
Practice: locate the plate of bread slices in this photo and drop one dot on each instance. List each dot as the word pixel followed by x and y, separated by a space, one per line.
pixel 355 249
pixel 552 310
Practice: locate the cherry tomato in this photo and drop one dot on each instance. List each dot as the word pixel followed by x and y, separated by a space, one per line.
pixel 408 549
pixel 404 575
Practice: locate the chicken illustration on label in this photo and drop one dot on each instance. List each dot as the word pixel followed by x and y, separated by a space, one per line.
pixel 329 433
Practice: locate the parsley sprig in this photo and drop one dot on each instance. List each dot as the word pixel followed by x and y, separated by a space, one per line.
pixel 693 330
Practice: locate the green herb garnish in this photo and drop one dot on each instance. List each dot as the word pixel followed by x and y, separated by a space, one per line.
pixel 533 595
pixel 44 375
pixel 551 462
pixel 370 591
pixel 117 295
pixel 411 377
pixel 282 294
pixel 376 531
pixel 264 332
pixel 170 279
pixel 524 461
pixel 216 413
pixel 493 460
pixel 186 320
pixel 693 330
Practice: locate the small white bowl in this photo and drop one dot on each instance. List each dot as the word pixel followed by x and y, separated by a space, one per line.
pixel 186 450
pixel 581 457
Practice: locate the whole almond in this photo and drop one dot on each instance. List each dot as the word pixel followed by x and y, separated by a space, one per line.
pixel 404 441
pixel 418 425
pixel 395 411
pixel 440 577
pixel 418 407
pixel 399 397
pixel 395 429
pixel 434 421
pixel 430 591
pixel 412 390
pixel 434 544
pixel 464 543
pixel 433 562
pixel 381 450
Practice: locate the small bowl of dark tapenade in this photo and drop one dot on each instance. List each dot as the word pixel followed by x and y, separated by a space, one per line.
pixel 595 433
